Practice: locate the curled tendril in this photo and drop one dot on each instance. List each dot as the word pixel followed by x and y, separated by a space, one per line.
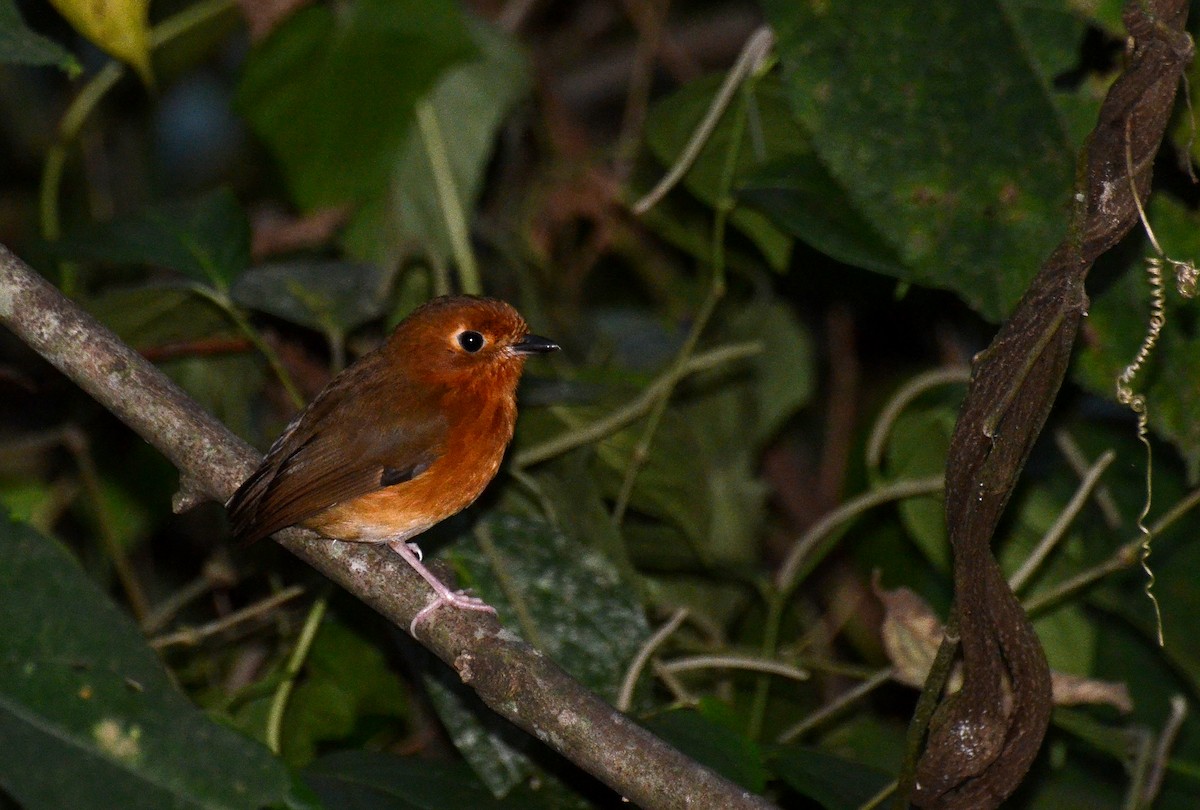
pixel 1137 404
pixel 1185 280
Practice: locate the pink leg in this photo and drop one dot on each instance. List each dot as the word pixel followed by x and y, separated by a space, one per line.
pixel 443 595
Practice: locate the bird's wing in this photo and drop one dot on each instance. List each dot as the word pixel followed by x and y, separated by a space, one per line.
pixel 331 453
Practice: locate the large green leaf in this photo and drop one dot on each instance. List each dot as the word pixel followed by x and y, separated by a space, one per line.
pixel 206 239
pixel 332 91
pixel 714 744
pixel 939 127
pixel 330 296
pixel 152 315
pixel 469 102
pixel 370 779
pixel 837 783
pixel 802 198
pixel 88 716
pixel 567 599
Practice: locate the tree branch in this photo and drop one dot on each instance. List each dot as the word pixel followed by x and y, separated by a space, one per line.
pixel 514 679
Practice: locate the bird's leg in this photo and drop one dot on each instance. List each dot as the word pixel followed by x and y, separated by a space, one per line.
pixel 443 595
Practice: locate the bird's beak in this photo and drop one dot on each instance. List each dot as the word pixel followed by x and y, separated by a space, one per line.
pixel 534 344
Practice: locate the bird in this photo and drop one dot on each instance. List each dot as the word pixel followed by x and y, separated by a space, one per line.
pixel 407 436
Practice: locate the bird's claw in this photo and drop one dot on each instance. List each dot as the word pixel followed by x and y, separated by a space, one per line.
pixel 411 554
pixel 458 599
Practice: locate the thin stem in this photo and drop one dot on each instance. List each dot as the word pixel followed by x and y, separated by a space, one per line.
pixel 752 58
pixel 1124 557
pixel 837 704
pixel 1162 751
pixel 79 110
pixel 694 662
pixel 1141 743
pixel 448 197
pixel 901 399
pixel 1072 452
pixel 882 796
pixel 1021 578
pixel 716 291
pixel 246 328
pixel 776 603
pixel 634 410
pixel 292 671
pixel 531 485
pixel 77 443
pixel 641 451
pixel 215 573
pixel 794 565
pixel 191 17
pixel 625 695
pixel 675 685
pixel 803 557
pixel 191 636
pixel 931 692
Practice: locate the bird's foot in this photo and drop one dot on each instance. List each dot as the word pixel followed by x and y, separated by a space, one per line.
pixel 458 599
pixel 442 595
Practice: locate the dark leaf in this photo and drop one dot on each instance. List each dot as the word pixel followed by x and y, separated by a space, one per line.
pixel 85 703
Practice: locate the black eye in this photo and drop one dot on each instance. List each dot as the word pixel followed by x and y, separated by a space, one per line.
pixel 470 341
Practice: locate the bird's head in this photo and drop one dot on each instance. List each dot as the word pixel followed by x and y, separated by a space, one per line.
pixel 466 341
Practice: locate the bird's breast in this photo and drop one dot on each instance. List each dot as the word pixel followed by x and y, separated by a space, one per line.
pixel 472 456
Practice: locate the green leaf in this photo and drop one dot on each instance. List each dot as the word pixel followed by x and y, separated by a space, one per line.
pixel 369 779
pixel 772 133
pixel 470 102
pixel 206 239
pixel 153 315
pixel 89 717
pixel 327 296
pixel 714 744
pixel 784 374
pixel 584 615
pixel 566 599
pixel 332 91
pixel 940 133
pixel 666 488
pixel 225 386
pixel 802 198
pixel 20 45
pixel 346 679
pixel 120 28
pixel 837 783
pixel 917 448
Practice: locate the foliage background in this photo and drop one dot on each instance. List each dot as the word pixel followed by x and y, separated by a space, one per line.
pixel 257 200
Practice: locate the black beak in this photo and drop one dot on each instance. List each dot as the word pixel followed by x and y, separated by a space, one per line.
pixel 534 344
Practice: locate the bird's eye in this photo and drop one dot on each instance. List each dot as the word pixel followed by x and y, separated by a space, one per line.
pixel 470 341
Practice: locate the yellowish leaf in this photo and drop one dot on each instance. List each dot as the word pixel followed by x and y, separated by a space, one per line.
pixel 120 28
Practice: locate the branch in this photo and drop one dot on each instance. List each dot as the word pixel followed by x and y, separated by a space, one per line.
pixel 514 679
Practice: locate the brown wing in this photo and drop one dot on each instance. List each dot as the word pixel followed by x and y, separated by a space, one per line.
pixel 335 450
